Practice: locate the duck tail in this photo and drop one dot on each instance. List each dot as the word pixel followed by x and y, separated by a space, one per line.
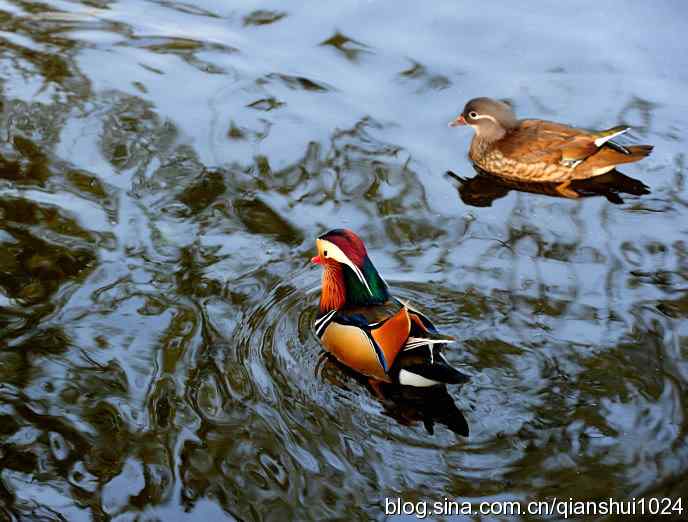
pixel 418 374
pixel 639 151
pixel 608 158
pixel 443 409
pixel 431 405
pixel 431 372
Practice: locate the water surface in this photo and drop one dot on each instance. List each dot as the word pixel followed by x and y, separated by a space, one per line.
pixel 164 169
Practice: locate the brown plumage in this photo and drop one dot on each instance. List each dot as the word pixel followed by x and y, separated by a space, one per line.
pixel 538 150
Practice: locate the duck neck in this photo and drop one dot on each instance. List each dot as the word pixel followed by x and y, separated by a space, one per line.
pixel 483 142
pixel 341 287
pixel 479 147
pixel 333 295
pixel 360 294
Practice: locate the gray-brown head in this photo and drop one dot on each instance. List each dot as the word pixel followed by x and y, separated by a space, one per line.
pixel 490 119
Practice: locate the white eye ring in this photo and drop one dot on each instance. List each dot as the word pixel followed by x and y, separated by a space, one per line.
pixel 473 115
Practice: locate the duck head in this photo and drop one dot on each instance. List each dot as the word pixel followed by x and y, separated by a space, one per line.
pixel 491 119
pixel 349 276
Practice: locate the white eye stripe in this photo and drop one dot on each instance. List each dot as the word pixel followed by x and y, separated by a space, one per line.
pixel 484 117
pixel 336 253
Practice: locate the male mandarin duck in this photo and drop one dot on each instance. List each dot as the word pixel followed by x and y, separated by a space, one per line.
pixel 537 150
pixel 369 330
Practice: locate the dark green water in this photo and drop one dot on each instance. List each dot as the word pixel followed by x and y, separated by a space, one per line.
pixel 164 170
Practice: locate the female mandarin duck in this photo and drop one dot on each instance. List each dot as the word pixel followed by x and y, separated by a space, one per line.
pixel 366 328
pixel 537 150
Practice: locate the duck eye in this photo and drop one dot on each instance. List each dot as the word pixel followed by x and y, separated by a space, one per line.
pixel 325 253
pixel 472 115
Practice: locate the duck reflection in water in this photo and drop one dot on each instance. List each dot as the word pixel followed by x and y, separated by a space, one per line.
pixel 484 188
pixel 407 405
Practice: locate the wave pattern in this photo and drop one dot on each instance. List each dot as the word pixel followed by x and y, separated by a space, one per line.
pixel 164 169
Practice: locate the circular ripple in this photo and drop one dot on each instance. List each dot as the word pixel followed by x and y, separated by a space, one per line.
pixel 291 371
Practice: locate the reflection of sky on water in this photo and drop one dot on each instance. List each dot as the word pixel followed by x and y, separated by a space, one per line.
pixel 164 170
